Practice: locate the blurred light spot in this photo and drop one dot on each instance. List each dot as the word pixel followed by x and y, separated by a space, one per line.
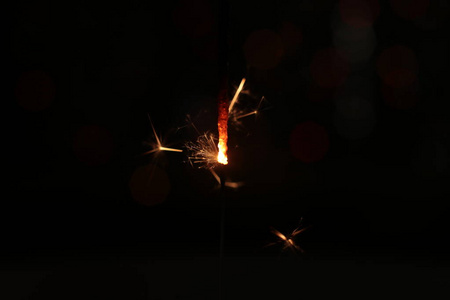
pixel 319 94
pixel 149 185
pixel 356 44
pixel 206 47
pixel 410 9
pixel 436 16
pixel 329 68
pixel 404 97
pixel 354 117
pixel 309 142
pixel 263 49
pixel 131 78
pixel 93 145
pixel 35 90
pixel 292 37
pixel 194 18
pixel 397 66
pixel 359 13
pixel 353 174
pixel 429 159
pixel 433 54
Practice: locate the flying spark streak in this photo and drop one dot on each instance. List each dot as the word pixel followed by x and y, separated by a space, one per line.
pixel 246 115
pixel 236 95
pixel 229 184
pixel 237 114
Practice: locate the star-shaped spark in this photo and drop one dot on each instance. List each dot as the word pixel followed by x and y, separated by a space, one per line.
pixel 157 146
pixel 288 241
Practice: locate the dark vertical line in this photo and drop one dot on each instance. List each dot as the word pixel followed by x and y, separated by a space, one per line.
pixel 222 237
pixel 223 23
pixel 223 31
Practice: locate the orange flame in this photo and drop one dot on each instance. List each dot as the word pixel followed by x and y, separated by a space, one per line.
pixel 222 124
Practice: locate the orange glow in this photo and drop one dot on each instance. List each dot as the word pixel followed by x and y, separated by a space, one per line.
pixel 222 124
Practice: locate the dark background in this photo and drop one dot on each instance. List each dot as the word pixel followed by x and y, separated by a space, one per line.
pixel 82 79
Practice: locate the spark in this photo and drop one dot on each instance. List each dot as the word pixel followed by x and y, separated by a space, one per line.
pixel 230 184
pixel 288 240
pixel 237 114
pixel 246 115
pixel 204 152
pixel 236 95
pixel 159 147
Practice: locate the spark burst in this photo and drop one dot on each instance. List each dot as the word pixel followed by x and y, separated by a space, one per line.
pixel 288 240
pixel 204 152
pixel 157 146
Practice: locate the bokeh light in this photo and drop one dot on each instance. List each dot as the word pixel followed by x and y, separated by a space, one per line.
pixel 149 185
pixel 194 18
pixel 356 44
pixel 309 142
pixel 292 37
pixel 354 117
pixel 131 78
pixel 206 47
pixel 329 68
pixel 405 97
pixel 436 16
pixel 410 9
pixel 35 90
pixel 263 49
pixel 429 158
pixel 93 145
pixel 319 94
pixel 359 13
pixel 397 66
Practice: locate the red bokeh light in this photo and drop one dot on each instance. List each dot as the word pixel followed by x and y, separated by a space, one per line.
pixel 309 142
pixel 329 68
pixel 359 13
pixel 35 90
pixel 263 49
pixel 194 18
pixel 410 9
pixel 404 97
pixel 93 145
pixel 397 66
pixel 149 185
pixel 292 37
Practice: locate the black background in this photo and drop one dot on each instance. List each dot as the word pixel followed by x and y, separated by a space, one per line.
pixel 377 220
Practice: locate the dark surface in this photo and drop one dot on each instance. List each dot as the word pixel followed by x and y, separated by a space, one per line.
pixel 377 205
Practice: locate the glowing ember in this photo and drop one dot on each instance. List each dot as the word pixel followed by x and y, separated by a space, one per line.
pixel 222 124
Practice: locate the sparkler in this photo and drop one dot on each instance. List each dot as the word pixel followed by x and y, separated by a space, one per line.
pixel 207 152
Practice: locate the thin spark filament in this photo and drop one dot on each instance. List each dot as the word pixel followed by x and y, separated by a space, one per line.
pixel 247 115
pixel 169 149
pixel 236 95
